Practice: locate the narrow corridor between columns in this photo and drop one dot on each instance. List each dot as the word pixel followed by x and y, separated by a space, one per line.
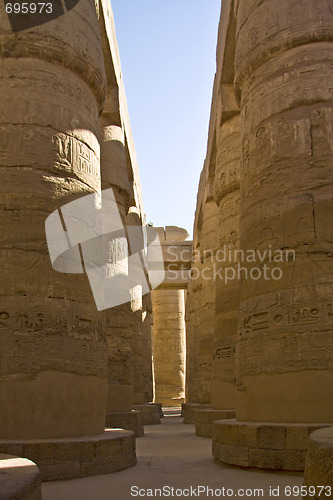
pixel 172 457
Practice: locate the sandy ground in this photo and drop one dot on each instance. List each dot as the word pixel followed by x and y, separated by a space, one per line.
pixel 172 456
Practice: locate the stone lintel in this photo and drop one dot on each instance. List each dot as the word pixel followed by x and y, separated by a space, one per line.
pixel 177 257
pixel 177 252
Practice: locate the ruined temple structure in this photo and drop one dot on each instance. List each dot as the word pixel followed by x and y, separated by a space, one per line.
pixel 265 211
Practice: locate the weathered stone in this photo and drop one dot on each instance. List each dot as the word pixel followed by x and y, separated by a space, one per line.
pixel 19 479
pixel 268 446
pixel 286 150
pixel 205 418
pixel 53 370
pixel 227 197
pixel 132 421
pixel 63 364
pixel 150 413
pixel 201 300
pixel 269 156
pixel 189 412
pixel 319 464
pixel 61 459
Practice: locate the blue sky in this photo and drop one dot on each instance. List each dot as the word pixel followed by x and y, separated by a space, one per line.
pixel 167 51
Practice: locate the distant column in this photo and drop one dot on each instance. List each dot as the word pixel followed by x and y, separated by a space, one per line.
pixel 169 346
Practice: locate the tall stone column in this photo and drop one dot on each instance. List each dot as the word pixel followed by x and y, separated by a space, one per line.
pixel 227 196
pixel 284 352
pixel 118 320
pixel 192 317
pixel 204 334
pixel 53 353
pixel 147 321
pixel 138 346
pixel 201 311
pixel 169 346
pixel 200 304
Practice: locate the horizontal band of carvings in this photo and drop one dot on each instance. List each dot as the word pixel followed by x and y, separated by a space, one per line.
pixel 223 190
pixel 56 51
pixel 29 357
pixel 264 52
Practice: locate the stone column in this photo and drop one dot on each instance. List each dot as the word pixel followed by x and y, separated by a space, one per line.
pixel 227 196
pixel 120 359
pixel 169 346
pixel 118 319
pixel 284 353
pixel 133 219
pixel 141 354
pixel 53 353
pixel 204 333
pixel 53 370
pixel 147 320
pixel 137 347
pixel 193 314
pixel 225 289
pixel 318 475
pixel 20 478
pixel 199 352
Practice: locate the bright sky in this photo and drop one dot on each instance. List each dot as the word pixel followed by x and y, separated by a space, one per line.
pixel 167 52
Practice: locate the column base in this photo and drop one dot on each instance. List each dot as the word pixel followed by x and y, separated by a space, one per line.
pixel 189 409
pixel 319 463
pixel 128 420
pixel 150 412
pixel 159 406
pixel 20 478
pixel 204 419
pixel 262 445
pixel 171 402
pixel 71 458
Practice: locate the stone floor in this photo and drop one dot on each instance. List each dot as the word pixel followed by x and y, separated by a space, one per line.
pixel 172 455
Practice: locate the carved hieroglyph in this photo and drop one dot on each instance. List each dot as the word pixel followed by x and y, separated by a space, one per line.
pixel 53 357
pixel 284 71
